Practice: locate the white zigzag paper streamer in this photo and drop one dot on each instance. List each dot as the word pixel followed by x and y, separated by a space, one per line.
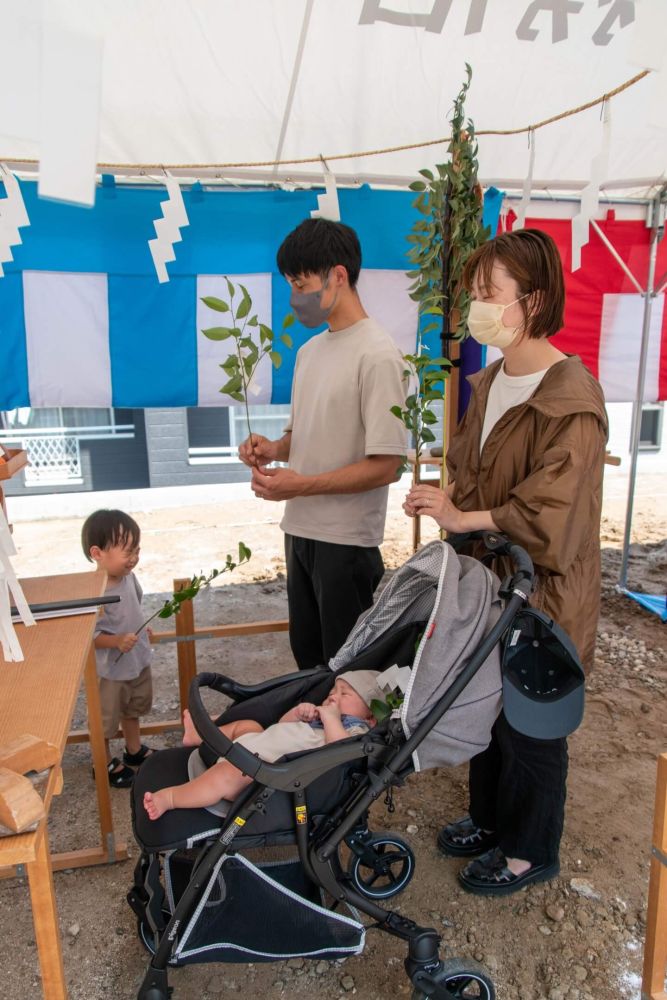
pixel 13 215
pixel 168 229
pixel 590 196
pixel 522 207
pixel 327 203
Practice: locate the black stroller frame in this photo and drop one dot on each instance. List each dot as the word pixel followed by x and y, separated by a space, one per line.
pixel 387 764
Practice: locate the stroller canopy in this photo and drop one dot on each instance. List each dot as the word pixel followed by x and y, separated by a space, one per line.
pixel 456 598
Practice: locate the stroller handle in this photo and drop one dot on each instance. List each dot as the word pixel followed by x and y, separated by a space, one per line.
pixel 500 545
pixel 216 741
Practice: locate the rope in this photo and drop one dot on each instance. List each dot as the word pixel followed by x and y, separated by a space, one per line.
pixel 144 167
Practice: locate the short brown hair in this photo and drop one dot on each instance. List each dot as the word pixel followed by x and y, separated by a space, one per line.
pixel 107 528
pixel 530 257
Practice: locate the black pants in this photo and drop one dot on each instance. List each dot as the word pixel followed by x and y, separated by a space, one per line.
pixel 328 586
pixel 518 788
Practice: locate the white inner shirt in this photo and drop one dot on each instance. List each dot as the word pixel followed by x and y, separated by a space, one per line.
pixel 507 391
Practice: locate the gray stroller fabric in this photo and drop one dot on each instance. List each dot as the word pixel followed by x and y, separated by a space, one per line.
pixel 459 597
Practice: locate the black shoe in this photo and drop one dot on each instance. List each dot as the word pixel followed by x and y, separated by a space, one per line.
pixel 489 875
pixel 462 839
pixel 119 775
pixel 137 759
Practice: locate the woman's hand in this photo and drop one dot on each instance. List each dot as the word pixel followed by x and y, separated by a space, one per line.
pixel 434 502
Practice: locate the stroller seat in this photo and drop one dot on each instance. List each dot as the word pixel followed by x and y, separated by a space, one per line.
pixel 185 827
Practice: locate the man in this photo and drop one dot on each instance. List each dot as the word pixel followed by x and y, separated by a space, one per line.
pixel 342 443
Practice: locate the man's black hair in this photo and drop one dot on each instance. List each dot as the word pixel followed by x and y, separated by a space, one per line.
pixel 107 528
pixel 317 245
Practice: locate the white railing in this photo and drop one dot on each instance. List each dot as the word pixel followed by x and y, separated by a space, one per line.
pixel 52 460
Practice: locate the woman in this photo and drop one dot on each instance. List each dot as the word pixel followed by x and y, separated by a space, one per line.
pixel 526 460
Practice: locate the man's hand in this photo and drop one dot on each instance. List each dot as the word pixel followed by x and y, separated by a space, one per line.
pixel 257 450
pixel 126 641
pixel 277 484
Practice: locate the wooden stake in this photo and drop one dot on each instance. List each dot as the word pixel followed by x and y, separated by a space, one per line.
pixel 655 950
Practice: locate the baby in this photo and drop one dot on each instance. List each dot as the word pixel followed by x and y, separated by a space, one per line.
pixel 345 712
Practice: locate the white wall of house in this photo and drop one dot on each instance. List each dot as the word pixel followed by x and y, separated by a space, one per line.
pixel 650 461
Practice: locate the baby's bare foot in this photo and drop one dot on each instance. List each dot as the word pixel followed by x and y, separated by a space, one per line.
pixel 191 737
pixel 156 803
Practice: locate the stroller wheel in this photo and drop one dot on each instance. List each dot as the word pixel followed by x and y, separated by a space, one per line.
pixel 145 935
pixel 382 865
pixel 463 979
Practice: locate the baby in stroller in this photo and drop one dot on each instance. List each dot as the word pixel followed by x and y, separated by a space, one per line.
pixel 345 712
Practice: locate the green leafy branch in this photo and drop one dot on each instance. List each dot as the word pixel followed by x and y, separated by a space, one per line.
pixel 242 363
pixel 447 230
pixel 451 203
pixel 382 709
pixel 198 583
pixel 426 375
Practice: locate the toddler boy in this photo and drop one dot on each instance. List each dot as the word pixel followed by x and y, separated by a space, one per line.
pixel 110 539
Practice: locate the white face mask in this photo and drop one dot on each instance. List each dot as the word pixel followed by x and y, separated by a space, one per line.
pixel 485 322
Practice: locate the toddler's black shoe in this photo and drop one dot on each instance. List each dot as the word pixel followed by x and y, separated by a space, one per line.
pixel 119 775
pixel 137 759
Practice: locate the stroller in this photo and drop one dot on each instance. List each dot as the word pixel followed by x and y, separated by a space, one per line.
pixel 198 896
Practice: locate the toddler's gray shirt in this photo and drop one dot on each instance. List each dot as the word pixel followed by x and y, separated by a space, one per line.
pixel 116 619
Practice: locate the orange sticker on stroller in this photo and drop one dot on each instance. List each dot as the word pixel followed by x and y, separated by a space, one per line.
pixel 301 814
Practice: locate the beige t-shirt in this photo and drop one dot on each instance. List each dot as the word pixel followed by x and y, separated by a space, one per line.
pixel 345 384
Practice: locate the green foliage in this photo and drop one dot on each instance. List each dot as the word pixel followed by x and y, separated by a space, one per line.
pixel 240 366
pixel 426 376
pixel 382 709
pixel 449 228
pixel 449 202
pixel 196 584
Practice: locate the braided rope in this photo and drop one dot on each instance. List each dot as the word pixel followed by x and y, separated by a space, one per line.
pixel 144 167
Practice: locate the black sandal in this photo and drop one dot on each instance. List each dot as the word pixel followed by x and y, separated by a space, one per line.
pixel 119 775
pixel 489 875
pixel 462 839
pixel 137 759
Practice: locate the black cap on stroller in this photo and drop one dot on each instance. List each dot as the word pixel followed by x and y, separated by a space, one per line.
pixel 543 680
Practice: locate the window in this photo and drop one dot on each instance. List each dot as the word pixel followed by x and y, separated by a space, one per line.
pixel 85 423
pixel 215 432
pixel 650 430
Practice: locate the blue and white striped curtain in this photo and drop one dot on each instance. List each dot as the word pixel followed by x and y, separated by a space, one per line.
pixel 85 323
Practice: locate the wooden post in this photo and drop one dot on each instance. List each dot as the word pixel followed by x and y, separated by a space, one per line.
pixel 45 918
pixel 451 407
pixel 98 753
pixel 185 650
pixel 655 949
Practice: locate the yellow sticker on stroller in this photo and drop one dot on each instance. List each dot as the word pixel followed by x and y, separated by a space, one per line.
pixel 301 814
pixel 239 821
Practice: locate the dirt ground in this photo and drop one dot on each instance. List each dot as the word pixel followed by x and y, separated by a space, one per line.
pixel 579 937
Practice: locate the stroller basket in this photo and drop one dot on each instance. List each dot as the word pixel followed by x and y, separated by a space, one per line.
pixel 286 908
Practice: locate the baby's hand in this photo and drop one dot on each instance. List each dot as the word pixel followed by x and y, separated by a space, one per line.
pixel 306 712
pixel 329 712
pixel 126 641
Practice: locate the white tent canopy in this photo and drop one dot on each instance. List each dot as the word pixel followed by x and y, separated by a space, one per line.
pixel 213 82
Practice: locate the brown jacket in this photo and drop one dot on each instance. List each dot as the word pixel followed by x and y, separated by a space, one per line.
pixel 540 475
